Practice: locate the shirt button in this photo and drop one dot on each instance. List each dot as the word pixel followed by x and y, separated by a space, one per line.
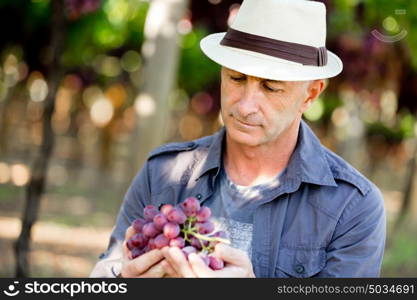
pixel 299 269
pixel 199 196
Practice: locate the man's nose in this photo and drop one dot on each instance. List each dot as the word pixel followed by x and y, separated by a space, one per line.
pixel 249 102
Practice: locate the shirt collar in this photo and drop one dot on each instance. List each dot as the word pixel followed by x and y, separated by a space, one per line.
pixel 213 157
pixel 308 162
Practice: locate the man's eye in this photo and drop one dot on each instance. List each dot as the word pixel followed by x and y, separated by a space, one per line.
pixel 273 90
pixel 238 79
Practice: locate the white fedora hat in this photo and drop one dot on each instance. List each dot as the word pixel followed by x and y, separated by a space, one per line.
pixel 276 39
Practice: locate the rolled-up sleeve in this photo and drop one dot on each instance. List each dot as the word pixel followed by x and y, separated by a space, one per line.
pixel 137 196
pixel 358 242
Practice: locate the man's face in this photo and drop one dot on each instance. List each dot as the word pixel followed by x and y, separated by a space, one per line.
pixel 257 111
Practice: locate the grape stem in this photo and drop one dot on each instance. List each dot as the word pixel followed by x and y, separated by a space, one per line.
pixel 188 229
pixel 211 239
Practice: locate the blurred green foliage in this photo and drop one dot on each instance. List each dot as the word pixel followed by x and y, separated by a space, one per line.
pixel 116 27
pixel 402 129
pixel 354 16
pixel 405 13
pixel 117 24
pixel 400 254
pixel 196 70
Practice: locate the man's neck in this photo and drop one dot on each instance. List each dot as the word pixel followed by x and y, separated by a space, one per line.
pixel 248 165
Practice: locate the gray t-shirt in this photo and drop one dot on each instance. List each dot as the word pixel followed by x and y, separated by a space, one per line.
pixel 233 206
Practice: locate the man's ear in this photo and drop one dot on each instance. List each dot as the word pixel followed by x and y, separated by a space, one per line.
pixel 313 90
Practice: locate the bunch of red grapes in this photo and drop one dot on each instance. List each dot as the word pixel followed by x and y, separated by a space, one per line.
pixel 186 226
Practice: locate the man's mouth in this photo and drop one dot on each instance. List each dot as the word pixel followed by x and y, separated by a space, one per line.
pixel 245 123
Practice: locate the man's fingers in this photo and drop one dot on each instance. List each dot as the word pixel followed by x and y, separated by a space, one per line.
pixel 156 271
pixel 178 261
pixel 169 270
pixel 202 270
pixel 231 255
pixel 128 234
pixel 165 252
pixel 237 262
pixel 141 264
pixel 126 250
pixel 199 267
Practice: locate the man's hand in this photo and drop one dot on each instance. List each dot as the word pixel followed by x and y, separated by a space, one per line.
pixel 150 264
pixel 237 263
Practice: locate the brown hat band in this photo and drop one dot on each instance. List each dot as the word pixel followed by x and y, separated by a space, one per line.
pixel 303 54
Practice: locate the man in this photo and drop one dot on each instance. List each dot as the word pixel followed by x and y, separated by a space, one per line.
pixel 291 207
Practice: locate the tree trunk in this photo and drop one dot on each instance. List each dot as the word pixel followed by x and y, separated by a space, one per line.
pixel 5 121
pixel 37 181
pixel 161 53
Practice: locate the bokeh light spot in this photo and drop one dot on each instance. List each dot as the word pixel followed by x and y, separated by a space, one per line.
pixel 38 90
pixel 19 174
pixel 91 95
pixel 145 105
pixel 184 26
pixel 340 117
pixel 101 112
pixel 390 24
pixel 117 94
pixel 202 103
pixel 234 8
pixel 131 61
pixel 316 110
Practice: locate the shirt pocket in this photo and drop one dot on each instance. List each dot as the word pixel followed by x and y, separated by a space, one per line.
pixel 300 263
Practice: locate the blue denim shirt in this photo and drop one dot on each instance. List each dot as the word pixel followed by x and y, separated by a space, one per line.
pixel 325 219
